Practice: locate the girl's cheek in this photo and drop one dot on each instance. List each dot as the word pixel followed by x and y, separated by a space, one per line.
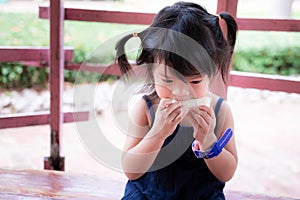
pixel 200 91
pixel 163 92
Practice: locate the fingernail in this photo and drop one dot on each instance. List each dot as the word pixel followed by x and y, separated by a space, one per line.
pixel 174 101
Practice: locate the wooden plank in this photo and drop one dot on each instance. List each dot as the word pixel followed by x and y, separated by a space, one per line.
pixel 37 118
pixel 41 185
pixel 112 69
pixel 265 82
pixel 269 24
pixel 102 16
pixel 56 185
pixel 238 195
pixel 146 18
pixel 30 53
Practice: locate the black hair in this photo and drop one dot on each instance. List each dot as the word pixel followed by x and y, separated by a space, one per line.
pixel 168 40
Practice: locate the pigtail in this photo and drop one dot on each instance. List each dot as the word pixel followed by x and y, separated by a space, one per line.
pixel 231 28
pixel 121 57
pixel 225 43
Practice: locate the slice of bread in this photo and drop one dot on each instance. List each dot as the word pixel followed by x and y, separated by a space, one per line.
pixel 196 102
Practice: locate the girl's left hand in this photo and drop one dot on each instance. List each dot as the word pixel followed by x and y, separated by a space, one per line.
pixel 203 121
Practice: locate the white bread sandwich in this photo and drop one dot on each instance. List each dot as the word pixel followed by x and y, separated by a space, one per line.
pixel 196 102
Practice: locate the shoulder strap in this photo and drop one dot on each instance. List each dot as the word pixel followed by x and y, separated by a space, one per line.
pixel 217 109
pixel 218 106
pixel 150 107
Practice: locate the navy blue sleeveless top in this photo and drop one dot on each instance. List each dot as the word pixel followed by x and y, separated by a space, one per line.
pixel 176 174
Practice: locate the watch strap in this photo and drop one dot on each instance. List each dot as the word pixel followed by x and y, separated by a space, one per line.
pixel 216 148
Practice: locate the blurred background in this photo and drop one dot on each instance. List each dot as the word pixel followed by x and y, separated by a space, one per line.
pixel 267 123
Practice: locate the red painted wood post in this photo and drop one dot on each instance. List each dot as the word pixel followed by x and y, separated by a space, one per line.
pixel 55 162
pixel 229 6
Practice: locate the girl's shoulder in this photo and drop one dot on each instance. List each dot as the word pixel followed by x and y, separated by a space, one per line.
pixel 214 100
pixel 140 111
pixel 224 116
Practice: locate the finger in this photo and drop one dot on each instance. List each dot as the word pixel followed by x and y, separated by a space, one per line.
pixel 176 117
pixel 205 116
pixel 162 104
pixel 174 113
pixel 202 118
pixel 202 123
pixel 208 110
pixel 173 107
pixel 165 103
pixel 195 113
pixel 207 113
pixel 193 119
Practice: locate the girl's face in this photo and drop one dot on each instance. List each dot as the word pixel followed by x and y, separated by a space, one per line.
pixel 169 85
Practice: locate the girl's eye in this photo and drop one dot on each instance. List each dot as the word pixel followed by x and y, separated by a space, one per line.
pixel 168 80
pixel 196 82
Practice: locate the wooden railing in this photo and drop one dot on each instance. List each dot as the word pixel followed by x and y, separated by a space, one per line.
pixel 247 80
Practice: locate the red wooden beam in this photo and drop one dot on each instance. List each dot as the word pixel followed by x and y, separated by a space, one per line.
pixel 146 18
pixel 112 69
pixel 27 53
pixel 265 82
pixel 238 79
pixel 102 16
pixel 37 118
pixel 229 6
pixel 217 85
pixel 269 24
pixel 55 162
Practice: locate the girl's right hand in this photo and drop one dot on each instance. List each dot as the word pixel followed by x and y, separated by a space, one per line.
pixel 168 115
pixel 203 121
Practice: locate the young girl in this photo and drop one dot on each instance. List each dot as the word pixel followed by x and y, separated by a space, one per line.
pixel 175 150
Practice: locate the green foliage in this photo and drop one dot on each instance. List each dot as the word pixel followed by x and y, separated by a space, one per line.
pixel 14 75
pixel 19 29
pixel 283 61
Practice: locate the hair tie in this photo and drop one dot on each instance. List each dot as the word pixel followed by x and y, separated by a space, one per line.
pixel 135 34
pixel 219 17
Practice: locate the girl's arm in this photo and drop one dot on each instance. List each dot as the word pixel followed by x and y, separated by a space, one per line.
pixel 224 165
pixel 142 143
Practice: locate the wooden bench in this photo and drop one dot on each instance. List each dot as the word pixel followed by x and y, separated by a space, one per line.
pixel 42 185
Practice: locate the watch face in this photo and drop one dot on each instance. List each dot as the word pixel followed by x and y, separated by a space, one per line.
pixel 209 153
pixel 199 154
